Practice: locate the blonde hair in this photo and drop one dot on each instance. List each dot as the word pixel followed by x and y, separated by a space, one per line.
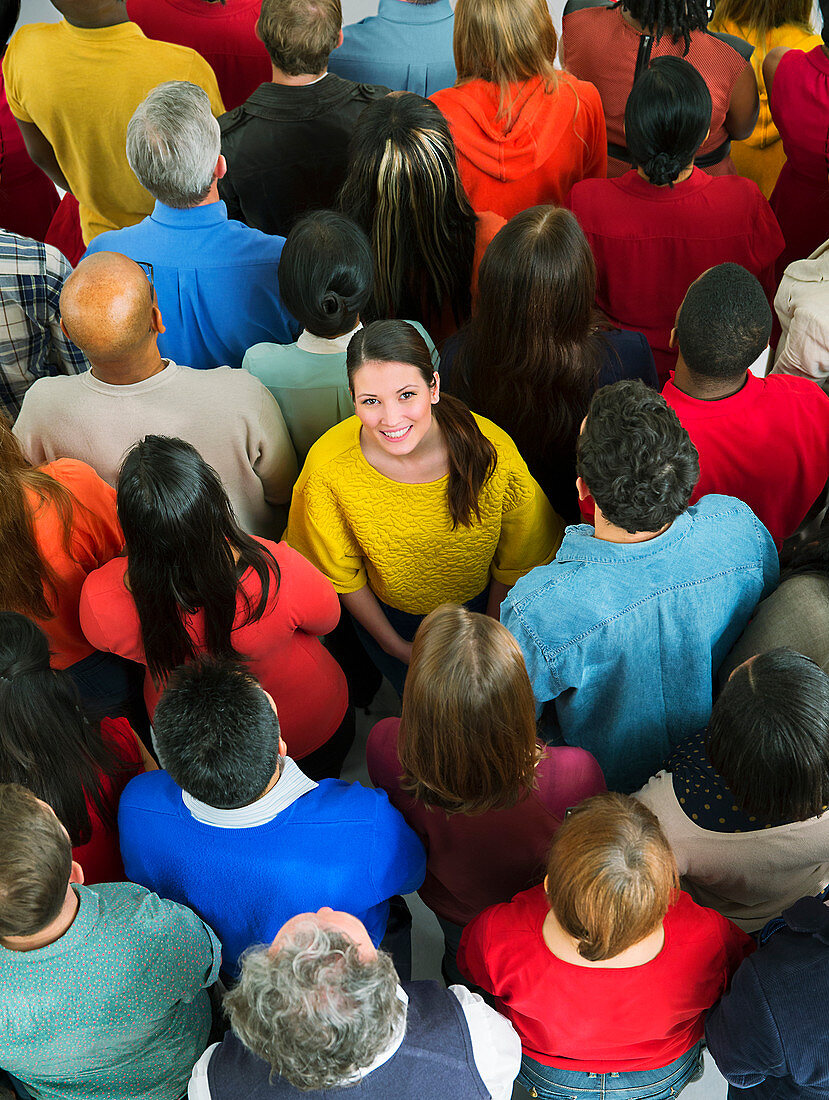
pixel 758 17
pixel 467 740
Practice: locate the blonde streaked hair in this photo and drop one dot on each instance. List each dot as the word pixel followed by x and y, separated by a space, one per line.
pixel 467 740
pixel 759 17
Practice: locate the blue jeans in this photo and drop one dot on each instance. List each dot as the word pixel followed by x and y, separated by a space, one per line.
pixel 549 1083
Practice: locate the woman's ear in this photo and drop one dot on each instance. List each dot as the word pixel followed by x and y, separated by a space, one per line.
pixel 435 387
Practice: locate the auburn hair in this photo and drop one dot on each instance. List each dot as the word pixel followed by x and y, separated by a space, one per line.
pixel 472 458
pixel 758 17
pixel 467 741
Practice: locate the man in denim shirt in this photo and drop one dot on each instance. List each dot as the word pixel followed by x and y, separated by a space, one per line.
pixel 625 629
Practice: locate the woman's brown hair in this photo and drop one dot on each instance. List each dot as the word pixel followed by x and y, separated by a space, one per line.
pixel 758 17
pixel 472 457
pixel 467 740
pixel 611 875
pixel 25 577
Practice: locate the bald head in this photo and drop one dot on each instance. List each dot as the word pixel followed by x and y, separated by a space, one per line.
pixel 108 309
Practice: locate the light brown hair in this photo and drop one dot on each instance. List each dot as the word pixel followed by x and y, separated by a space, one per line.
pixel 35 863
pixel 25 577
pixel 611 875
pixel 467 740
pixel 758 17
pixel 299 35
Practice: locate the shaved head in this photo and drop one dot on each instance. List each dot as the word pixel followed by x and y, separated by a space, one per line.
pixel 107 308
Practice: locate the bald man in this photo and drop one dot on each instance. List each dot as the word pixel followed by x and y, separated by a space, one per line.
pixel 109 309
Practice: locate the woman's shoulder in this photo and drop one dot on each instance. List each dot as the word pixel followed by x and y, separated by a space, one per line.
pixel 107 582
pixel 75 474
pixel 119 736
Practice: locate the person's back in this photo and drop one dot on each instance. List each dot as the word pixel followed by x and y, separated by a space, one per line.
pixel 625 628
pixel 102 992
pixel 801 306
pixel 237 829
pixel 407 46
pixel 74 85
pixel 287 145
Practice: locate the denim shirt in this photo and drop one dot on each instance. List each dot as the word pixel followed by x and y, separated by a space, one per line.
pixel 626 638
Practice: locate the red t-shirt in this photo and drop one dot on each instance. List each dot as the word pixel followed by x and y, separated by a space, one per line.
pixel 100 857
pixel 650 243
pixel 599 1020
pixel 282 649
pixel 767 445
pixel 459 883
pixel 224 34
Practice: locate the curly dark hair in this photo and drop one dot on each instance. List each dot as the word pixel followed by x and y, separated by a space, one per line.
pixel 678 17
pixel 636 458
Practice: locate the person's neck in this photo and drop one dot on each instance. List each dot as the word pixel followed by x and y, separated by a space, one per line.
pixel 705 389
pixel 211 196
pixel 52 932
pixel 289 81
pixel 127 374
pixel 106 14
pixel 683 175
pixel 565 947
pixel 608 532
pixel 629 19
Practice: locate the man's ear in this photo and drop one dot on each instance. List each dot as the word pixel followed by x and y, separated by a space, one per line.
pixel 672 340
pixel 156 324
pixel 582 488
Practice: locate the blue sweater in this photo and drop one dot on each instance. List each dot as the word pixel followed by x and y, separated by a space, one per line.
pixel 340 844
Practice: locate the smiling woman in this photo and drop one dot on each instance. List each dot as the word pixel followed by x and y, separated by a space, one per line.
pixel 415 501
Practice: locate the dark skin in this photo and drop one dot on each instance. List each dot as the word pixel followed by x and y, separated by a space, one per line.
pixel 772 60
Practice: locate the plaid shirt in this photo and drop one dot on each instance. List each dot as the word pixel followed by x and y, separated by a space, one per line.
pixel 32 344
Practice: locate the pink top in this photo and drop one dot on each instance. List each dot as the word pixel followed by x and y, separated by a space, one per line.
pixel 282 648
pixel 28 198
pixel 459 882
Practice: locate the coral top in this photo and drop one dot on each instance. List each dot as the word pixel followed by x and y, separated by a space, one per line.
pixel 96 537
pixel 459 884
pixel 597 1019
pixel 599 45
pixel 282 649
pixel 360 527
pixel 650 243
pixel 532 154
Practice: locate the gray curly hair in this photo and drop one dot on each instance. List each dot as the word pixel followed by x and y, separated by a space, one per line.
pixel 314 1010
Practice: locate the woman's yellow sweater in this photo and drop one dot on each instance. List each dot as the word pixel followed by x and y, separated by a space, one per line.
pixel 359 527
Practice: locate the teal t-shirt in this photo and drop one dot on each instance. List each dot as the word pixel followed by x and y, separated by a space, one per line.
pixel 116 1008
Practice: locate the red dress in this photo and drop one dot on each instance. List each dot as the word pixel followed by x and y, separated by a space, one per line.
pixel 100 857
pixel 28 198
pixel 282 649
pixel 650 243
pixel 799 102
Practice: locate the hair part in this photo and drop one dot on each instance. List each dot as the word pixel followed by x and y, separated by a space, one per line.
pixel 611 875
pixel 313 1009
pixel 300 35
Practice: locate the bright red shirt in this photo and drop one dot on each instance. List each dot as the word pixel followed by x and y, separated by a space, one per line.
pixel 282 649
pixel 650 243
pixel 459 883
pixel 767 445
pixel 100 857
pixel 224 34
pixel 603 1020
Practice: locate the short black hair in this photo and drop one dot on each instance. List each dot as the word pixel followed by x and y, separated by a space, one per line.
pixel 636 458
pixel 216 733
pixel 724 323
pixel 768 737
pixel 326 272
pixel 667 118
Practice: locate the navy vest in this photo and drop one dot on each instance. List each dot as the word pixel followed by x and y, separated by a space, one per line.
pixel 435 1056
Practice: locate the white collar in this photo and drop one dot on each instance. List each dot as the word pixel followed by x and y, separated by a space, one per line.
pixel 291 785
pixel 322 345
pixel 393 1047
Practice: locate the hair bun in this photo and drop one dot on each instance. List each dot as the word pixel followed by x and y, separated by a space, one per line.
pixel 332 303
pixel 662 168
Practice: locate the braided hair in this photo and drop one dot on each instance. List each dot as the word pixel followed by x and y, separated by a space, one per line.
pixel 678 17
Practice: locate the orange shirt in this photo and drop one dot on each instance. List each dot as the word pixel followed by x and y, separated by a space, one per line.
pixel 96 538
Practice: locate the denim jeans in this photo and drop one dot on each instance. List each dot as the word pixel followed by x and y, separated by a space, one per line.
pixel 550 1083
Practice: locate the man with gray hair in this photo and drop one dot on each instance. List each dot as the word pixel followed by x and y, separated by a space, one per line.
pixel 216 279
pixel 321 1012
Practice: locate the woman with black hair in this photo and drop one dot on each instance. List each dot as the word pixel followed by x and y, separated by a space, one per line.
pixel 48 744
pixel 193 582
pixel 658 227
pixel 611 43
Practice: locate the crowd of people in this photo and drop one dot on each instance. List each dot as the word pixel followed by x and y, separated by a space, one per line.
pixel 434 349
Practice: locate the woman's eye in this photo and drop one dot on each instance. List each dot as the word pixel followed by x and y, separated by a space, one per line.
pixel 408 393
pixel 369 401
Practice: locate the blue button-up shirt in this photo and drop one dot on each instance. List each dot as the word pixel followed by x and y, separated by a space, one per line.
pixel 407 47
pixel 216 281
pixel 626 638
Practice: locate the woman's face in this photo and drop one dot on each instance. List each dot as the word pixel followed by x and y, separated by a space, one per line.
pixel 394 405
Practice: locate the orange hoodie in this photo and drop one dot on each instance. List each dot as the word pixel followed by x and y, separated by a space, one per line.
pixel 533 154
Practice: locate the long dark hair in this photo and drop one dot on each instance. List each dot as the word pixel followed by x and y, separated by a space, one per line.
pixel 667 117
pixel 404 189
pixel 678 17
pixel 808 557
pixel 472 457
pixel 186 552
pixel 47 743
pixel 530 357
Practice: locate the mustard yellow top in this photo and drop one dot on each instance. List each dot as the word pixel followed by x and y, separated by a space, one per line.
pixel 357 526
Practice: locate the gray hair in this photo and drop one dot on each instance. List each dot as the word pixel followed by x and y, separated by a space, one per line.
pixel 314 1010
pixel 173 143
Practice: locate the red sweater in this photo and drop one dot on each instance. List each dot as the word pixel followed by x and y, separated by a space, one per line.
pixel 650 243
pixel 767 445
pixel 282 649
pixel 550 142
pixel 595 1019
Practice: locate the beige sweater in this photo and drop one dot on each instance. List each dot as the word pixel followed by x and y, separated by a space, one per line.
pixel 748 877
pixel 229 417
